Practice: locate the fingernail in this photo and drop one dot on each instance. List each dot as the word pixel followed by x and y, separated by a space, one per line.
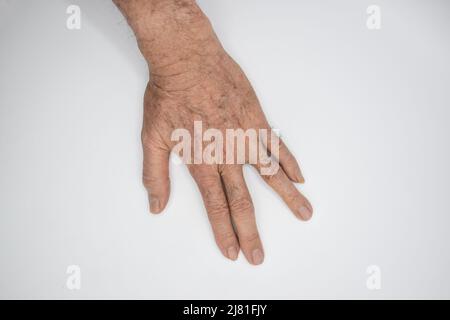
pixel 154 205
pixel 299 176
pixel 232 253
pixel 305 213
pixel 258 256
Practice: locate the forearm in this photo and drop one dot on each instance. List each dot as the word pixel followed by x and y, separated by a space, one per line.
pixel 169 31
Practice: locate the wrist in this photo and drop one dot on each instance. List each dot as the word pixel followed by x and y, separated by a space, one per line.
pixel 170 31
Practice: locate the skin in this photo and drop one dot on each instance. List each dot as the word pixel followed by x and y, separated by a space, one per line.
pixel 192 78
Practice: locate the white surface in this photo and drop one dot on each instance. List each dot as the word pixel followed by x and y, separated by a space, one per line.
pixel 366 112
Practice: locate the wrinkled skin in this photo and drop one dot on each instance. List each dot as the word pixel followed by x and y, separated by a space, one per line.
pixel 192 79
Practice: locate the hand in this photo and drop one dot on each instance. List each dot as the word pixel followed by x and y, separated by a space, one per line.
pixel 193 80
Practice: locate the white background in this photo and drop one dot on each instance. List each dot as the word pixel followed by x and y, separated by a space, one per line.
pixel 365 111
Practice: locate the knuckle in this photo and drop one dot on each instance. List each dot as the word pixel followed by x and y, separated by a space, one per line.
pixel 216 210
pixel 251 237
pixel 270 178
pixel 225 237
pixel 292 197
pixel 241 206
pixel 206 180
pixel 148 181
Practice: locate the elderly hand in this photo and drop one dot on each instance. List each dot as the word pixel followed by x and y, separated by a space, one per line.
pixel 195 85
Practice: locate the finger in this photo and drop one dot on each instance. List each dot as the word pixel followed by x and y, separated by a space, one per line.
pixel 156 175
pixel 289 163
pixel 243 214
pixel 280 183
pixel 210 186
pixel 280 152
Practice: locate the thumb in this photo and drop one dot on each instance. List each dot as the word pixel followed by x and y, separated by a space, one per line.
pixel 156 175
